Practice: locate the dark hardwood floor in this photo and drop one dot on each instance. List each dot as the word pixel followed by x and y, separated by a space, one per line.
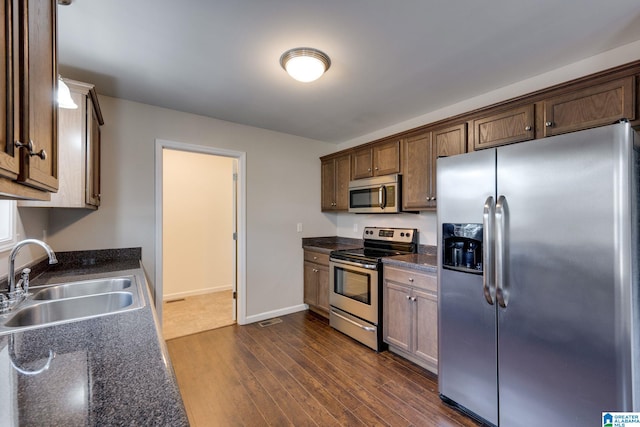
pixel 301 372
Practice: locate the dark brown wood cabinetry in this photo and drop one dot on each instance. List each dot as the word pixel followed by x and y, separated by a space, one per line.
pixel 419 155
pixel 336 174
pixel 596 100
pixel 507 127
pixel 410 324
pixel 79 151
pixel 379 159
pixel 316 282
pixel 594 106
pixel 29 152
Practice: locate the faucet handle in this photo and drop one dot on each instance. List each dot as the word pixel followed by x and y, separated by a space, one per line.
pixel 24 279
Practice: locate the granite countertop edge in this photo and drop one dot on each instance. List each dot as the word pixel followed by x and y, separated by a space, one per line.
pixel 425 260
pixel 131 380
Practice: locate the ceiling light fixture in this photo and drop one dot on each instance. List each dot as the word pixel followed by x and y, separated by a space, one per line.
pixel 305 64
pixel 64 96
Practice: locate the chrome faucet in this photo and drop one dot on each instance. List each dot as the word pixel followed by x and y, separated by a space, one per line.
pixel 25 274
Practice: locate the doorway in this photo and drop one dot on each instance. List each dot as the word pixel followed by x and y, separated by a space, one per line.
pixel 200 238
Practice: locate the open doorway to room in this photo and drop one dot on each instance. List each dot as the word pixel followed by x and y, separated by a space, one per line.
pixel 197 279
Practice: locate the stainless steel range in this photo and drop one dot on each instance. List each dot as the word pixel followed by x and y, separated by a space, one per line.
pixel 355 282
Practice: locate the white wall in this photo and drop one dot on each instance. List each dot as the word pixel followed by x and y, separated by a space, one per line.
pixel 283 188
pixel 197 224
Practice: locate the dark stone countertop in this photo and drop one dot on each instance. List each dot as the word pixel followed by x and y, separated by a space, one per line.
pixel 106 371
pixel 419 261
pixel 332 243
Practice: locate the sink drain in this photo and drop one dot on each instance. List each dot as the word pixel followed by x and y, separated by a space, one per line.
pixel 270 322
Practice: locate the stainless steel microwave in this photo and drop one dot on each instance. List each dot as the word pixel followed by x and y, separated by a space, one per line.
pixel 380 194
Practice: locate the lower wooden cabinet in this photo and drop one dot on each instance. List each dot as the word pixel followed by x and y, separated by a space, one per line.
pixel 316 282
pixel 410 315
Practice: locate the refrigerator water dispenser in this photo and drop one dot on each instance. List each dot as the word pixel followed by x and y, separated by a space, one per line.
pixel 462 247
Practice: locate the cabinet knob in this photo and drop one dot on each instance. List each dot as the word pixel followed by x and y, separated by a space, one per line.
pixel 315 257
pixel 30 146
pixel 413 299
pixel 408 297
pixel 376 168
pixel 411 279
pixel 548 124
pixel 368 169
pixel 527 128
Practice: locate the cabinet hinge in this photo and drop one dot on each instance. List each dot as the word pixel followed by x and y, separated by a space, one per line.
pixel 235 236
pixel 235 295
pixel 235 176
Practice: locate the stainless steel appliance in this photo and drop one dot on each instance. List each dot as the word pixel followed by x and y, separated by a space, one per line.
pixel 548 333
pixel 375 195
pixel 355 282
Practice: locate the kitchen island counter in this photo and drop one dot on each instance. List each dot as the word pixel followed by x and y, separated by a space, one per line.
pixel 108 370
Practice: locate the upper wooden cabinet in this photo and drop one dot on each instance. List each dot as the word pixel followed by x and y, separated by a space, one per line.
pixel 507 127
pixel 419 155
pixel 79 151
pixel 336 174
pixel 379 159
pixel 28 151
pixel 598 105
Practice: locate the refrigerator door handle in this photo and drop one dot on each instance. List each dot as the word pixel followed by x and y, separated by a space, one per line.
pixel 502 218
pixel 488 277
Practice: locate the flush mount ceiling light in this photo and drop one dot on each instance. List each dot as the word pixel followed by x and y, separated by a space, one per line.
pixel 305 64
pixel 64 96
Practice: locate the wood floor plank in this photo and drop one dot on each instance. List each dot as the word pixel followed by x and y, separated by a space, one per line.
pixel 301 372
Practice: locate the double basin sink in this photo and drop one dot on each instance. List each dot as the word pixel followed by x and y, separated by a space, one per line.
pixel 73 301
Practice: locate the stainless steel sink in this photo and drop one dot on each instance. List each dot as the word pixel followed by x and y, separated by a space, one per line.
pixel 69 309
pixel 74 301
pixel 88 287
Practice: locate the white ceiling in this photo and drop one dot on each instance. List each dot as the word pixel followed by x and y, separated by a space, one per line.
pixel 391 60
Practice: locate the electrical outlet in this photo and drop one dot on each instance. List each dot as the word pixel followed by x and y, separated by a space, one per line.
pixel 299 227
pixel 355 228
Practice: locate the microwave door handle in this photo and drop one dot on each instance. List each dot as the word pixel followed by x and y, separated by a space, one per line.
pixel 382 196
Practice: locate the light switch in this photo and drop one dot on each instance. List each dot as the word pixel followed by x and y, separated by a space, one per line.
pixel 299 227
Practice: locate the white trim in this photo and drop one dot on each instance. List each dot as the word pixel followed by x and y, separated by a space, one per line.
pixel 241 276
pixel 275 313
pixel 180 295
pixel 7 242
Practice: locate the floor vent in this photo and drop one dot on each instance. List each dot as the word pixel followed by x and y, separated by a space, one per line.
pixel 270 322
pixel 174 300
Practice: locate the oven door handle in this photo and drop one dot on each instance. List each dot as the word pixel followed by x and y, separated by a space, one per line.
pixel 355 264
pixel 366 328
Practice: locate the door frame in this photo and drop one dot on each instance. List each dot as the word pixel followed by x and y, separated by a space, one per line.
pixel 240 219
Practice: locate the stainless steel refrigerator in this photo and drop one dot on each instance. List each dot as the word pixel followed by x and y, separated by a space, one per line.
pixel 538 279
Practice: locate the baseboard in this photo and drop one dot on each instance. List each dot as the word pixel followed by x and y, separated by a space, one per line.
pixel 180 295
pixel 275 313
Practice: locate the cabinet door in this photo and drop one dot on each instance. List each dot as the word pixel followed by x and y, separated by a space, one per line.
pixel 362 161
pixel 328 184
pixel 9 160
pixel 322 276
pixel 446 142
pixel 386 158
pixel 515 125
pixel 594 106
pixel 39 121
pixel 93 156
pixel 342 178
pixel 310 284
pixel 397 315
pixel 426 326
pixel 416 168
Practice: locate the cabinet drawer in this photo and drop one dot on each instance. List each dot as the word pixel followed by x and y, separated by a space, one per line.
pixel 317 257
pixel 413 278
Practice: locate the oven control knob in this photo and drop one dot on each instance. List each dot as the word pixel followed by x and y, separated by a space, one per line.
pixel 401 234
pixel 408 235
